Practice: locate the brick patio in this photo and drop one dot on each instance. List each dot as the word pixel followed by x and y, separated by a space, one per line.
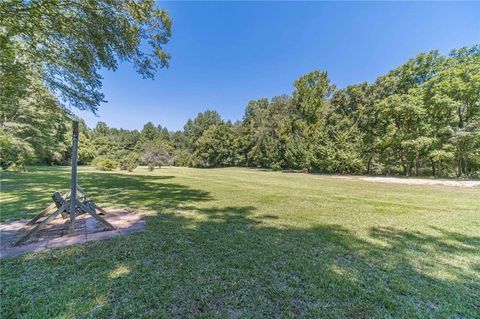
pixel 55 234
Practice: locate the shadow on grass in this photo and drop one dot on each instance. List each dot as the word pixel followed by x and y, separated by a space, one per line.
pixel 231 262
pixel 228 262
pixel 27 194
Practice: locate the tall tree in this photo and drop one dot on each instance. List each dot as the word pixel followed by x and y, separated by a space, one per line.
pixel 215 148
pixel 35 124
pixel 453 102
pixel 248 128
pixel 149 132
pixel 357 104
pixel 69 41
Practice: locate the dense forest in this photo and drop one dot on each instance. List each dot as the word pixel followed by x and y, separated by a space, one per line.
pixel 422 118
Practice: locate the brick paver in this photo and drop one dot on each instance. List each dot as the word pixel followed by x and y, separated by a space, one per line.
pixel 56 235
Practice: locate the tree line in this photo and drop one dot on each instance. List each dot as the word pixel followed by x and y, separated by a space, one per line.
pixel 421 118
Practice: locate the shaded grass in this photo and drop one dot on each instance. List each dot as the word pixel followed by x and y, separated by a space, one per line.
pixel 245 243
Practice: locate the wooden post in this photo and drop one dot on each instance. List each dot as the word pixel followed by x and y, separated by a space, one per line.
pixel 35 229
pixel 73 187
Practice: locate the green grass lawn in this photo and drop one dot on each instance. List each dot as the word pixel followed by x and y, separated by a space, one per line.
pixel 244 243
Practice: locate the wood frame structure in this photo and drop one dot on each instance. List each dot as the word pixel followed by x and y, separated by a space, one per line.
pixel 71 206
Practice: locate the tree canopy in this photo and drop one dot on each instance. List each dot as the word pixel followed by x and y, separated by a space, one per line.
pixel 67 42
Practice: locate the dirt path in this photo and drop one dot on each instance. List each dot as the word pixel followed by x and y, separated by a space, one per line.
pixel 421 181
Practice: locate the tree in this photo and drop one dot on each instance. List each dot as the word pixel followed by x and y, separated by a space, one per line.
pixel 310 95
pixel 335 145
pixel 156 154
pixel 181 155
pixel 247 128
pixel 411 74
pixel 69 41
pixel 149 133
pixel 102 128
pixel 264 144
pixel 403 117
pixel 310 107
pixel 357 104
pixel 453 104
pixel 129 140
pixel 215 148
pixel 129 161
pixel 194 129
pixel 36 121
pixel 15 153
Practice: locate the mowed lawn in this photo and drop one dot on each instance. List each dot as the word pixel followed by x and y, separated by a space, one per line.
pixel 245 243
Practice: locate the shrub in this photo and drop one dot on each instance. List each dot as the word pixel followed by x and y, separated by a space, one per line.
pixel 276 167
pixel 15 154
pixel 105 164
pixel 129 162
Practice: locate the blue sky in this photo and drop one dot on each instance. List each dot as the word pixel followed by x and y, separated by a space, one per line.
pixel 225 54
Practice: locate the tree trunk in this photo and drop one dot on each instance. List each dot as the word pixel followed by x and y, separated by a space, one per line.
pixel 459 164
pixel 369 164
pixel 402 162
pixel 416 162
pixel 408 171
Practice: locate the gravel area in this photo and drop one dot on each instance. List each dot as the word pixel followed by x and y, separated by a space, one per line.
pixel 421 181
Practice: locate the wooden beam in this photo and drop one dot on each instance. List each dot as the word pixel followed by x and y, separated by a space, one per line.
pixel 45 211
pixel 100 209
pixel 35 229
pixel 41 214
pixel 94 215
pixel 80 190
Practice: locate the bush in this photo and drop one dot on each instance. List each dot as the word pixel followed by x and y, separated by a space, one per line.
pixel 15 154
pixel 129 162
pixel 105 164
pixel 276 167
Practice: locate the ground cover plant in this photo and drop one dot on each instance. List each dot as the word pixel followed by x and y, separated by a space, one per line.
pixel 239 242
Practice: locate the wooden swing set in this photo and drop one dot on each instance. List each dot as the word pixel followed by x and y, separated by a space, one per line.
pixel 70 205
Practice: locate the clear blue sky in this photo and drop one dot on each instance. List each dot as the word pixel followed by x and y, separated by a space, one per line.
pixel 227 53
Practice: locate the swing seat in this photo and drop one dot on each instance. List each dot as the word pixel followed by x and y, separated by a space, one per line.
pixel 59 201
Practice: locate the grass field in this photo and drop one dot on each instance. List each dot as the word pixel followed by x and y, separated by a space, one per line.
pixel 244 243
